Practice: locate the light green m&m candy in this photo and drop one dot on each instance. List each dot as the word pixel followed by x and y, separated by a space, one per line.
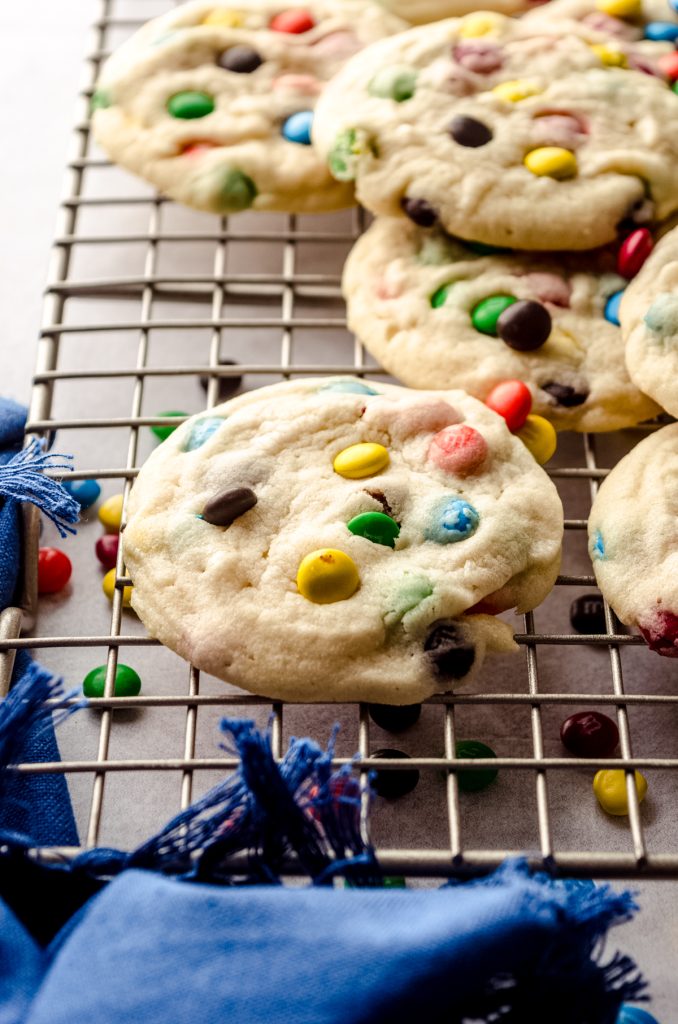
pixel 127 682
pixel 238 191
pixel 395 83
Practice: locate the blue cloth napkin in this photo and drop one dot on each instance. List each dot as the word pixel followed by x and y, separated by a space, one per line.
pixel 35 806
pixel 152 949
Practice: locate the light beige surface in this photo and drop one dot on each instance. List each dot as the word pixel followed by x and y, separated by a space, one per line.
pixel 179 52
pixel 404 151
pixel 394 270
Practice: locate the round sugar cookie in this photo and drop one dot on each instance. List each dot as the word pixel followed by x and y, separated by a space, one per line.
pixel 649 320
pixel 416 298
pixel 327 540
pixel 213 103
pixel 503 131
pixel 633 539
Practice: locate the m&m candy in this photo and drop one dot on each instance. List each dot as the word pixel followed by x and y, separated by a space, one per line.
pixel 609 787
pixel 485 315
pixel 472 780
pixel 359 460
pixel 551 162
pixel 612 308
pixel 539 437
pixel 634 1015
pixel 109 588
pixel 589 734
pixel 54 570
pixel 511 399
pixel 106 549
pixel 110 513
pixel 163 432
pixel 587 614
pixel 297 127
pixel 634 250
pixel 524 325
pixel 85 492
pixel 375 526
pixel 295 21
pixel 459 449
pixel 327 575
pixel 127 682
pixel 396 783
pixel 190 105
pixel 394 717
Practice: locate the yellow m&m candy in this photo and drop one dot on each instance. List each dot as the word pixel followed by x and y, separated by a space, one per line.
pixel 539 437
pixel 327 575
pixel 110 513
pixel 108 587
pixel 361 460
pixel 551 162
pixel 225 17
pixel 620 8
pixel 609 786
pixel 513 92
pixel 609 56
pixel 475 25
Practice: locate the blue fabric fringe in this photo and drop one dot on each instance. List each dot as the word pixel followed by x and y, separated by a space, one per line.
pixel 22 479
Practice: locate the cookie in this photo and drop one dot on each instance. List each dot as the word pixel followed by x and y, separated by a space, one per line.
pixel 437 313
pixel 420 12
pixel 327 540
pixel 649 320
pixel 633 539
pixel 504 132
pixel 213 104
pixel 626 20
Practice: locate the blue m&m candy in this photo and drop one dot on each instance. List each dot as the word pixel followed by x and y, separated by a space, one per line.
pixel 612 307
pixel 297 127
pixel 349 387
pixel 85 492
pixel 634 1015
pixel 453 519
pixel 661 31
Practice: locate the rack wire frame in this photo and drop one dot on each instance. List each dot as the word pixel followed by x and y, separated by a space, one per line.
pixel 289 285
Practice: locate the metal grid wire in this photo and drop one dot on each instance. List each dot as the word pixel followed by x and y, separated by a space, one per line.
pixel 284 305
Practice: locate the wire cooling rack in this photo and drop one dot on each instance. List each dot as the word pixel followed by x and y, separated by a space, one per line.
pixel 144 297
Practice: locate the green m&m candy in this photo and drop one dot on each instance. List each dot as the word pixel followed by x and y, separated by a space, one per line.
pixel 439 297
pixel 472 780
pixel 237 192
pixel 127 682
pixel 164 432
pixel 190 105
pixel 395 83
pixel 375 526
pixel 484 316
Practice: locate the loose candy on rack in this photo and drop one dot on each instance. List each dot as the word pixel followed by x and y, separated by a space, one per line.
pixel 190 105
pixel 472 780
pixel 85 492
pixel 396 783
pixel 452 520
pixel 551 162
pixel 634 1015
pixel 225 507
pixel 395 717
pixel 609 786
pixel 511 399
pixel 485 315
pixel 450 653
pixel 54 570
pixel 106 549
pixel 109 588
pixel 375 526
pixel 634 250
pixel 587 614
pixel 295 21
pixel 241 59
pixel 612 307
pixel 227 386
pixel 297 127
pixel 163 432
pixel 360 460
pixel 458 449
pixel 539 437
pixel 127 682
pixel 110 513
pixel 327 575
pixel 524 325
pixel 589 734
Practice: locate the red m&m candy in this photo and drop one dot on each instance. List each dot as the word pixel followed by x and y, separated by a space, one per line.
pixel 458 449
pixel 107 549
pixel 589 734
pixel 54 570
pixel 296 21
pixel 512 400
pixel 668 63
pixel 634 250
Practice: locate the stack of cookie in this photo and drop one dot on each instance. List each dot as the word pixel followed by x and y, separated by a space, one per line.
pixel 520 171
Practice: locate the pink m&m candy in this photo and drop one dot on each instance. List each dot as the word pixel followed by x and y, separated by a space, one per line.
pixel 458 449
pixel 512 399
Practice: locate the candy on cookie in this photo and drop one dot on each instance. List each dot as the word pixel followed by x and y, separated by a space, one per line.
pixel 337 540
